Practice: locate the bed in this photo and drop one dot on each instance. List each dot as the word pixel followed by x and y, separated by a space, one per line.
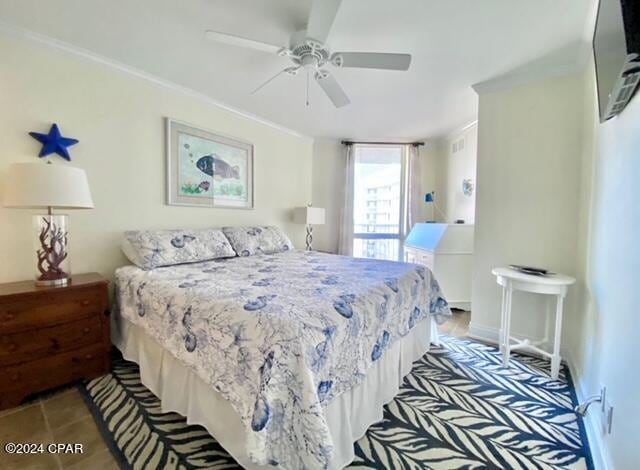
pixel 285 358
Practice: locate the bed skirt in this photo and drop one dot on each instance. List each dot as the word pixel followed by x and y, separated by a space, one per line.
pixel 348 416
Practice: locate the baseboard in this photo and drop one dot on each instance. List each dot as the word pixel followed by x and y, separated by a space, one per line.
pixel 599 451
pixel 491 335
pixel 483 333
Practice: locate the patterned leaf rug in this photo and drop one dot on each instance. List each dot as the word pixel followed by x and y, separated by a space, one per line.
pixel 459 408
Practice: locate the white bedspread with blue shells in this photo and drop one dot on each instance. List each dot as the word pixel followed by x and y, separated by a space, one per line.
pixel 279 336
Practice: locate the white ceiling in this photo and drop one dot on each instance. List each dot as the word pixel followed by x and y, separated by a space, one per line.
pixel 455 43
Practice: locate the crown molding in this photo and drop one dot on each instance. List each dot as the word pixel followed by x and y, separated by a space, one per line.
pixel 561 62
pixel 41 39
pixel 459 130
pixel 446 137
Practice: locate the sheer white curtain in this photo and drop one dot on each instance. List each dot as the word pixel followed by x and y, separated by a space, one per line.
pixel 345 246
pixel 411 197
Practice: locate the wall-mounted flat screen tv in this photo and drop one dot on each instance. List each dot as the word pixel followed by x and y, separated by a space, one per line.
pixel 616 47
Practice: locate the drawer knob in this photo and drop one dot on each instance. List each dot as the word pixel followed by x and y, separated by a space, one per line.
pixel 89 356
pixel 15 376
pixel 12 347
pixel 86 329
pixel 85 302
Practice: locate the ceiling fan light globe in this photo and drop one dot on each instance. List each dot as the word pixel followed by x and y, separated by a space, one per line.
pixel 309 62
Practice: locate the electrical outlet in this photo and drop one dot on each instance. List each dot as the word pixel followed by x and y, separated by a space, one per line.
pixel 606 412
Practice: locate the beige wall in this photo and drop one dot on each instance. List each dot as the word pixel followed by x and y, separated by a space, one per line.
pixel 558 189
pixel 582 334
pixel 455 168
pixel 328 191
pixel 118 119
pixel 443 172
pixel 602 331
pixel 530 140
pixel 432 170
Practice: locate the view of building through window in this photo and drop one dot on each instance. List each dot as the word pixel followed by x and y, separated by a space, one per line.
pixel 377 204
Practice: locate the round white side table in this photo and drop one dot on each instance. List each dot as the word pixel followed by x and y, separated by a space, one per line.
pixel 554 284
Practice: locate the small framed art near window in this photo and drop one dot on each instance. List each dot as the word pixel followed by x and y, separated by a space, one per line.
pixel 207 169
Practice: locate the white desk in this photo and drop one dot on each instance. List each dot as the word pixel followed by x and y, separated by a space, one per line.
pixel 555 284
pixel 447 250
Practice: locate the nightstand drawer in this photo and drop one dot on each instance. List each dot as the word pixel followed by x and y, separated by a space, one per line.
pixel 50 336
pixel 34 344
pixel 31 377
pixel 51 308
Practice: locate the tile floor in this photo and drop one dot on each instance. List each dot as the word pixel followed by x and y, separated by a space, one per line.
pixel 63 417
pixel 457 325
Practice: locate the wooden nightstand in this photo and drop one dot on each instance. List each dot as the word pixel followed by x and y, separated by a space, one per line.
pixel 50 336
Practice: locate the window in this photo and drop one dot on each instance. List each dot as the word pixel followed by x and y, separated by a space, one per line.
pixel 378 201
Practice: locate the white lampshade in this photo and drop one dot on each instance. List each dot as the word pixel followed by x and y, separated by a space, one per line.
pixel 36 185
pixel 308 215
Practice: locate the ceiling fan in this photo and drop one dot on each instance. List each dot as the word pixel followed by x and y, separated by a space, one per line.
pixel 309 52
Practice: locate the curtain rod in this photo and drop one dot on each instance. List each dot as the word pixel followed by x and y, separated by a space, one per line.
pixel 415 144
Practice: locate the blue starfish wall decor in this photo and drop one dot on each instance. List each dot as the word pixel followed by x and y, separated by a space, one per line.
pixel 53 142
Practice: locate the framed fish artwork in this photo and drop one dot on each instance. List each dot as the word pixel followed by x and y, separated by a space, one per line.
pixel 206 169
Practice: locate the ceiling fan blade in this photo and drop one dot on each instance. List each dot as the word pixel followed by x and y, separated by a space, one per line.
pixel 238 41
pixel 323 12
pixel 372 60
pixel 288 70
pixel 332 88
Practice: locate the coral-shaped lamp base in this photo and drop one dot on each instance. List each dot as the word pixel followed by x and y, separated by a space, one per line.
pixel 51 250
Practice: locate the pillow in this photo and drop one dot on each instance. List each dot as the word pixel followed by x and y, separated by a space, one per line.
pixel 248 241
pixel 150 249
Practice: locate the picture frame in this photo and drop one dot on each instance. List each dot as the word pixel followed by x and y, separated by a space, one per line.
pixel 207 169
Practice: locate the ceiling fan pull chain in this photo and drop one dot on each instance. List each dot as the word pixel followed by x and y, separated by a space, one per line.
pixel 307 87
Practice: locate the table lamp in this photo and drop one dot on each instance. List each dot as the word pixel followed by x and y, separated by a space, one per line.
pixel 309 216
pixel 44 185
pixel 431 198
